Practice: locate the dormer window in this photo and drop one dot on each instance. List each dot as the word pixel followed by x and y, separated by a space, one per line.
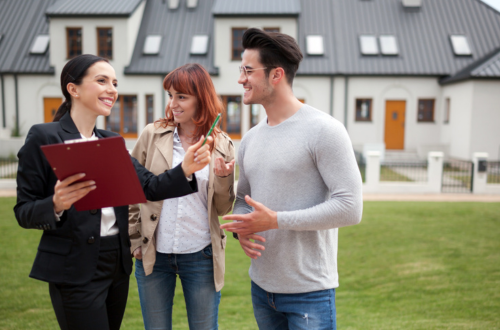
pixel 314 45
pixel 40 44
pixel 368 44
pixel 199 45
pixel 460 45
pixel 388 45
pixel 152 45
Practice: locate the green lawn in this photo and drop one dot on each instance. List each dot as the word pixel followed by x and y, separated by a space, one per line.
pixel 406 266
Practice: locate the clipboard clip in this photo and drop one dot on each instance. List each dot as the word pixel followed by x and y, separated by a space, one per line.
pixel 93 138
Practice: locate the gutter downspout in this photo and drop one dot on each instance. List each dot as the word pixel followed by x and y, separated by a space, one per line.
pixel 4 124
pixel 346 89
pixel 163 101
pixel 17 106
pixel 331 96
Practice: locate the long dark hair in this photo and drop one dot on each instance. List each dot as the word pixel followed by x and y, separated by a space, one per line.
pixel 73 72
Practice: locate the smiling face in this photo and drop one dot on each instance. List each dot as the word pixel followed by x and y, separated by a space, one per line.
pixel 97 92
pixel 183 106
pixel 258 90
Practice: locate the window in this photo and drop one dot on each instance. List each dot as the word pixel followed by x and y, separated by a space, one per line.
pixel 460 45
pixel 123 117
pixel 254 114
pixel 40 44
pixel 231 118
pixel 363 109
pixel 368 45
pixel 388 45
pixel 199 45
pixel 236 44
pixel 105 42
pixel 272 29
pixel 425 110
pixel 73 42
pixel 314 45
pixel 152 45
pixel 447 110
pixel 150 110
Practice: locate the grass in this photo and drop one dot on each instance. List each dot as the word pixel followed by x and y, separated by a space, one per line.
pixel 406 266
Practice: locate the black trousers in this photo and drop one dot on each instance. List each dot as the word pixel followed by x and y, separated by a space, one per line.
pixel 99 304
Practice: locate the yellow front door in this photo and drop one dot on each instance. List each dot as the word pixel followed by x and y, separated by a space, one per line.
pixel 395 125
pixel 50 106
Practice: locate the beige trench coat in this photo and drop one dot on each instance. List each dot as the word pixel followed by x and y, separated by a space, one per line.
pixel 154 150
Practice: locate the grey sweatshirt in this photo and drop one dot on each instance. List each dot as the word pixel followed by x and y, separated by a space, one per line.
pixel 305 169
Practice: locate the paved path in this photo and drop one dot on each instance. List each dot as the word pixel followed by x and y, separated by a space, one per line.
pixel 386 197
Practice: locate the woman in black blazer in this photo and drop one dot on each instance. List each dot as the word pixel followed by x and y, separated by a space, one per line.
pixel 85 256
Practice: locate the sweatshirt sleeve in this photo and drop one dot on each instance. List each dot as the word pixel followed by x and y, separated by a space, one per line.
pixel 336 163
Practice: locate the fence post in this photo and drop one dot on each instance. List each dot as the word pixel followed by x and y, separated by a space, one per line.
pixel 480 177
pixel 372 168
pixel 435 170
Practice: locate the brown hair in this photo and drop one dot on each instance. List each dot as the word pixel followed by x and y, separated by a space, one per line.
pixel 275 50
pixel 193 79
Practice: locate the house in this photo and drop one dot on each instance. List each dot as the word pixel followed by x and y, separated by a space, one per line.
pixel 411 75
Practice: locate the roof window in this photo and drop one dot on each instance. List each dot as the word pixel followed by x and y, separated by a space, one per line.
pixel 412 3
pixel 191 3
pixel 152 45
pixel 40 44
pixel 368 45
pixel 460 45
pixel 388 45
pixel 314 45
pixel 199 45
pixel 173 4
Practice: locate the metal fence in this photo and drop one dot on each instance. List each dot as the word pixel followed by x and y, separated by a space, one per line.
pixel 413 171
pixel 8 168
pixel 457 176
pixel 493 171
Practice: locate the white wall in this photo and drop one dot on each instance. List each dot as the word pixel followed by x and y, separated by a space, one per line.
pixel 485 123
pixel 457 133
pixel 315 91
pixel 380 90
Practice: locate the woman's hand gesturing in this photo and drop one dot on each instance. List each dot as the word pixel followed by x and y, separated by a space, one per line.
pixel 221 168
pixel 196 157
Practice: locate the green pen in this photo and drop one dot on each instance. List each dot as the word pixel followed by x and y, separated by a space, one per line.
pixel 211 129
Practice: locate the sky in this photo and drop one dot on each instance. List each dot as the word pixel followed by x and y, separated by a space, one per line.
pixel 493 3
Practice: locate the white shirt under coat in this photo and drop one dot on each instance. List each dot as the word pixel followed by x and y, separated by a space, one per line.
pixel 184 226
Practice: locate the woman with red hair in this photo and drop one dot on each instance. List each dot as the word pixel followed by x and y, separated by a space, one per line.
pixel 181 236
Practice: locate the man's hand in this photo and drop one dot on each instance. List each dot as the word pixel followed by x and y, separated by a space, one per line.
pixel 196 157
pixel 221 168
pixel 250 248
pixel 138 253
pixel 261 219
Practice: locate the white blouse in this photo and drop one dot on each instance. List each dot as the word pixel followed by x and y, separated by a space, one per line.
pixel 184 226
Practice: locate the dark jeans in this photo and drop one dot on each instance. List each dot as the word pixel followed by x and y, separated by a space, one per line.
pixel 99 304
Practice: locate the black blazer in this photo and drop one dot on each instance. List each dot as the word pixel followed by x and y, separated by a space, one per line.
pixel 69 248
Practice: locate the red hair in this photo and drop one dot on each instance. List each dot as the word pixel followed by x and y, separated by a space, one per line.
pixel 193 79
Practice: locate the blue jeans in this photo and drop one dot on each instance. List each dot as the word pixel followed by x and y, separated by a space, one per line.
pixel 156 291
pixel 310 310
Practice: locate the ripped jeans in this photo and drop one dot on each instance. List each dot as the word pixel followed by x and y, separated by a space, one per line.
pixel 280 311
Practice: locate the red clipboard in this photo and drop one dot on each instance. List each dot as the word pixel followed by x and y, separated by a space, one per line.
pixel 107 162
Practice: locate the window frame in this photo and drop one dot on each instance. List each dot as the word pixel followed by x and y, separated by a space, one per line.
pixel 370 110
pixel 233 29
pixel 99 42
pixel 152 106
pixel 68 57
pixel 271 29
pixel 122 121
pixel 433 110
pixel 223 123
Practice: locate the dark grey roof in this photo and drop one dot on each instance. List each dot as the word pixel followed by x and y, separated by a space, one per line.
pixel 76 8
pixel 486 68
pixel 20 23
pixel 422 35
pixel 177 27
pixel 256 7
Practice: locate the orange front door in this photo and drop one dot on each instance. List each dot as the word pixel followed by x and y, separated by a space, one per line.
pixel 50 106
pixel 395 125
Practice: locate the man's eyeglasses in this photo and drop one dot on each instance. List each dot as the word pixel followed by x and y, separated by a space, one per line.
pixel 243 69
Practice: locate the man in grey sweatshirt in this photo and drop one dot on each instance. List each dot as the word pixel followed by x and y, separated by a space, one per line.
pixel 299 182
